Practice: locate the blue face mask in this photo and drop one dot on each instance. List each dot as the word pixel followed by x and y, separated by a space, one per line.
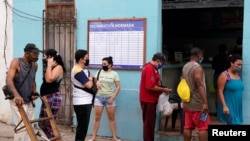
pixel 200 61
pixel 160 66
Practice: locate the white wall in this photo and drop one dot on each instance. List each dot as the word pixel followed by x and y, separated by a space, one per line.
pixel 6 47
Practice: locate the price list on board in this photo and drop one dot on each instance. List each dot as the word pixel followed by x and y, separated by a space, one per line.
pixel 124 40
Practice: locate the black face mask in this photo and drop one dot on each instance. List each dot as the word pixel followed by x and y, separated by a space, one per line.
pixel 87 62
pixel 33 59
pixel 105 68
pixel 45 61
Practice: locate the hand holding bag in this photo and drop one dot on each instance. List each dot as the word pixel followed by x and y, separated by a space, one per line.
pixel 164 106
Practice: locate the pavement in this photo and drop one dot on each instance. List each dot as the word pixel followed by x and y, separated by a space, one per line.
pixel 67 133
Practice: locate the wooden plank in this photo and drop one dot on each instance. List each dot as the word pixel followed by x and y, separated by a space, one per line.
pixel 27 124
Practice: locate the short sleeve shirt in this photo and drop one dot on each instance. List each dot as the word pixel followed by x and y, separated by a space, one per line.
pixel 150 77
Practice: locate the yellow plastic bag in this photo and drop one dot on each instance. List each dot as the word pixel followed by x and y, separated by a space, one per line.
pixel 183 90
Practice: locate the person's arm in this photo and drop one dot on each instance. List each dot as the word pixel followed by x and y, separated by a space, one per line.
pixel 51 73
pixel 221 85
pixel 86 81
pixel 118 87
pixel 35 94
pixel 151 85
pixel 13 69
pixel 198 78
pixel 161 89
pixel 116 92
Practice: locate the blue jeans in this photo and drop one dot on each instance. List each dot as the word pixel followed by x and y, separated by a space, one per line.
pixel 103 101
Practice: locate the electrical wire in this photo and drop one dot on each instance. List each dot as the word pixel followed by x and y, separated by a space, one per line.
pixel 14 9
pixel 20 14
pixel 25 17
pixel 5 35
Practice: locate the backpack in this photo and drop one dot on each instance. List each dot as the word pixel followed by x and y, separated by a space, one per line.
pixel 183 90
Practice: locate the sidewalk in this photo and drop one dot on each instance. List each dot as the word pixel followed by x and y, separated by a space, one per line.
pixel 67 133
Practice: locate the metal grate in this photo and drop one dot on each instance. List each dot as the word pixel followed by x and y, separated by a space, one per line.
pixel 59 34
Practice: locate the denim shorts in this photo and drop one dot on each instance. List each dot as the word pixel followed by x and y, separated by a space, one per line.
pixel 103 101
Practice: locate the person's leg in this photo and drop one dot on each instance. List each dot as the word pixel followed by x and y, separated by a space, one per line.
pixel 42 124
pixel 54 101
pixel 99 101
pixel 202 126
pixel 148 116
pixel 187 134
pixel 203 135
pixel 112 122
pixel 21 135
pixel 82 116
pixel 98 115
pixel 188 125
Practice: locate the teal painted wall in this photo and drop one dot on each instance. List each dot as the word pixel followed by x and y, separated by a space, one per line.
pixel 27 28
pixel 128 115
pixel 246 62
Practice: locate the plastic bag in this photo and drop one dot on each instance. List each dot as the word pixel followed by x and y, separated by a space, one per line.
pixel 164 106
pixel 161 101
pixel 183 90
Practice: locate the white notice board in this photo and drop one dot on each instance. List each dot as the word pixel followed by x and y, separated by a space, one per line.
pixel 123 39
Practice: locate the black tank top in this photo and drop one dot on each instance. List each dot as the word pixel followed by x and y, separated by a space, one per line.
pixel 50 88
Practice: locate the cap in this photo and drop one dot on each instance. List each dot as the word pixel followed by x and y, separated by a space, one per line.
pixel 31 47
pixel 160 56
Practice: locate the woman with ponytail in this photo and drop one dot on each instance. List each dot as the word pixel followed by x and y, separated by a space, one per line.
pixel 53 74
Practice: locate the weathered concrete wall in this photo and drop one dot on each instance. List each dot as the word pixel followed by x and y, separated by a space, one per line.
pixel 6 53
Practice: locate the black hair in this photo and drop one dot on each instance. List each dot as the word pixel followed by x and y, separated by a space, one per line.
pixel 80 53
pixel 57 57
pixel 108 59
pixel 195 51
pixel 159 56
pixel 234 57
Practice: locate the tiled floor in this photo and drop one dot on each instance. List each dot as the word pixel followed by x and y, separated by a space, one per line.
pixel 176 131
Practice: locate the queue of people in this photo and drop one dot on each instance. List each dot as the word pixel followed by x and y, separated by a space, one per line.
pixel 21 82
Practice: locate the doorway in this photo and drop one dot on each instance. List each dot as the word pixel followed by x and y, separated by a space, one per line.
pixel 59 34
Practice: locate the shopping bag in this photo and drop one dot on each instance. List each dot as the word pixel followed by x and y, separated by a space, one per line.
pixel 183 90
pixel 164 106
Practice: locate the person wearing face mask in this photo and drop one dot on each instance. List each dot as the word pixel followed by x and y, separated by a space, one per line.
pixel 22 71
pixel 106 96
pixel 53 74
pixel 194 74
pixel 230 88
pixel 82 99
pixel 150 90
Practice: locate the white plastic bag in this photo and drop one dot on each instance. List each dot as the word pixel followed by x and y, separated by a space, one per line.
pixel 161 101
pixel 167 109
pixel 164 106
